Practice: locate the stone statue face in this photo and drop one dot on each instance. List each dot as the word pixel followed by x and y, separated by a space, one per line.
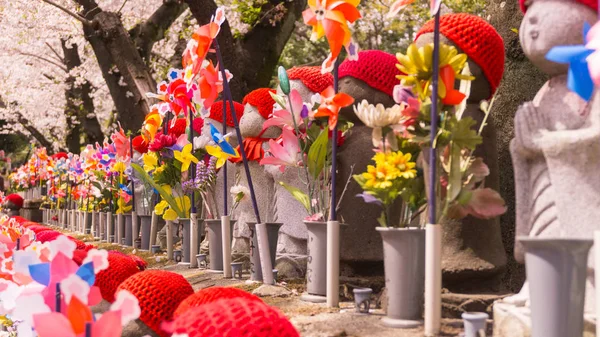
pixel 360 90
pixel 252 122
pixel 480 87
pixel 550 23
pixel 304 92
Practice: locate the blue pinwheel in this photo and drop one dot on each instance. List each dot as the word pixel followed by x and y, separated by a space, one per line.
pixel 220 140
pixel 579 78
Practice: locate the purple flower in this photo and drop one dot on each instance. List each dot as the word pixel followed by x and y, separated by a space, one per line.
pixel 402 94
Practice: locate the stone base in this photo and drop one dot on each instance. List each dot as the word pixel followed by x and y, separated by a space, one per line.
pixel 513 321
pixel 400 323
pixel 313 298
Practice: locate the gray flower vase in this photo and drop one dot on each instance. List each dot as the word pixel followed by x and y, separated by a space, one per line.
pixel 556 271
pixel 404 266
pixel 145 223
pixel 215 243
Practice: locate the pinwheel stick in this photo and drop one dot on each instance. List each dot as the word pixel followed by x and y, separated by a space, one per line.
pixel 192 165
pixel 132 182
pixel 57 297
pixel 228 96
pixel 87 207
pixel 224 168
pixel 332 210
pixel 434 122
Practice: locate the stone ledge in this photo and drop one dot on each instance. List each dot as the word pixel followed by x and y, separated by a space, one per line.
pixel 513 321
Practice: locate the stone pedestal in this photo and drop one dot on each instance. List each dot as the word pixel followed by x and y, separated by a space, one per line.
pixel 513 321
pixel 31 210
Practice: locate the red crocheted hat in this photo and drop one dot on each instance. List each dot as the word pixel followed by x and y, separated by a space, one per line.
pixel 311 77
pixel 212 294
pixel 593 4
pixel 262 100
pixel 79 255
pixel 159 293
pixel 120 268
pixel 478 39
pixel 16 199
pixel 216 112
pixel 46 236
pixel 21 220
pixel 374 67
pixel 37 229
pixel 234 317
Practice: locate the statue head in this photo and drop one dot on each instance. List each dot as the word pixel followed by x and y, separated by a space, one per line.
pixel 14 203
pixel 483 45
pixel 258 107
pixel 371 77
pixel 308 81
pixel 215 118
pixel 550 23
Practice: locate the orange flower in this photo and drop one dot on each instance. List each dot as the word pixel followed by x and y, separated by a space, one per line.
pixel 330 18
pixel 331 103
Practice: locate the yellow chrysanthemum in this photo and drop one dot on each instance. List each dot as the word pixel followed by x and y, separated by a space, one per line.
pixel 417 67
pixel 401 162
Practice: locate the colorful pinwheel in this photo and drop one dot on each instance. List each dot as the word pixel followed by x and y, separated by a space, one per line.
pixel 331 104
pixel 330 18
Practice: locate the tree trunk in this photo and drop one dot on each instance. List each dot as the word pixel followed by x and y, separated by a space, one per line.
pixel 80 102
pixel 521 82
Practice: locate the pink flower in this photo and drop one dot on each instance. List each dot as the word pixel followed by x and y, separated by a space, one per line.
pixel 285 154
pixel 161 141
pixel 283 118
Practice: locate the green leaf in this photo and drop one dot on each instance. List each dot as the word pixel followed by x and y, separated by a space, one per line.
pixel 462 133
pixel 455 175
pixel 515 30
pixel 382 220
pixel 166 196
pixel 317 154
pixel 298 195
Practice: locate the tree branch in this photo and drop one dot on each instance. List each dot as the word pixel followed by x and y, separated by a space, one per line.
pixel 153 29
pixel 84 21
pixel 55 52
pixel 33 131
pixel 63 68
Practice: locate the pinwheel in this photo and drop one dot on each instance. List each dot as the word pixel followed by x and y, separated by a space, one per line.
pixel 331 104
pixel 199 46
pixel 121 144
pixel 579 78
pixel 79 320
pixel 593 42
pixel 186 157
pixel 175 94
pixel 330 18
pixel 211 83
pixel 221 141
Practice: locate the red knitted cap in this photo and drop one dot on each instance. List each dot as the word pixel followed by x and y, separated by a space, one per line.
pixel 46 236
pixel 478 39
pixel 216 112
pixel 262 100
pixel 120 268
pixel 234 317
pixel 593 4
pixel 212 294
pixel 79 255
pixel 16 199
pixel 311 77
pixel 159 293
pixel 37 229
pixel 21 220
pixel 374 67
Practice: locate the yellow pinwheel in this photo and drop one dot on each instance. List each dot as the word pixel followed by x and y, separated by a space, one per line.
pixel 221 155
pixel 186 157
